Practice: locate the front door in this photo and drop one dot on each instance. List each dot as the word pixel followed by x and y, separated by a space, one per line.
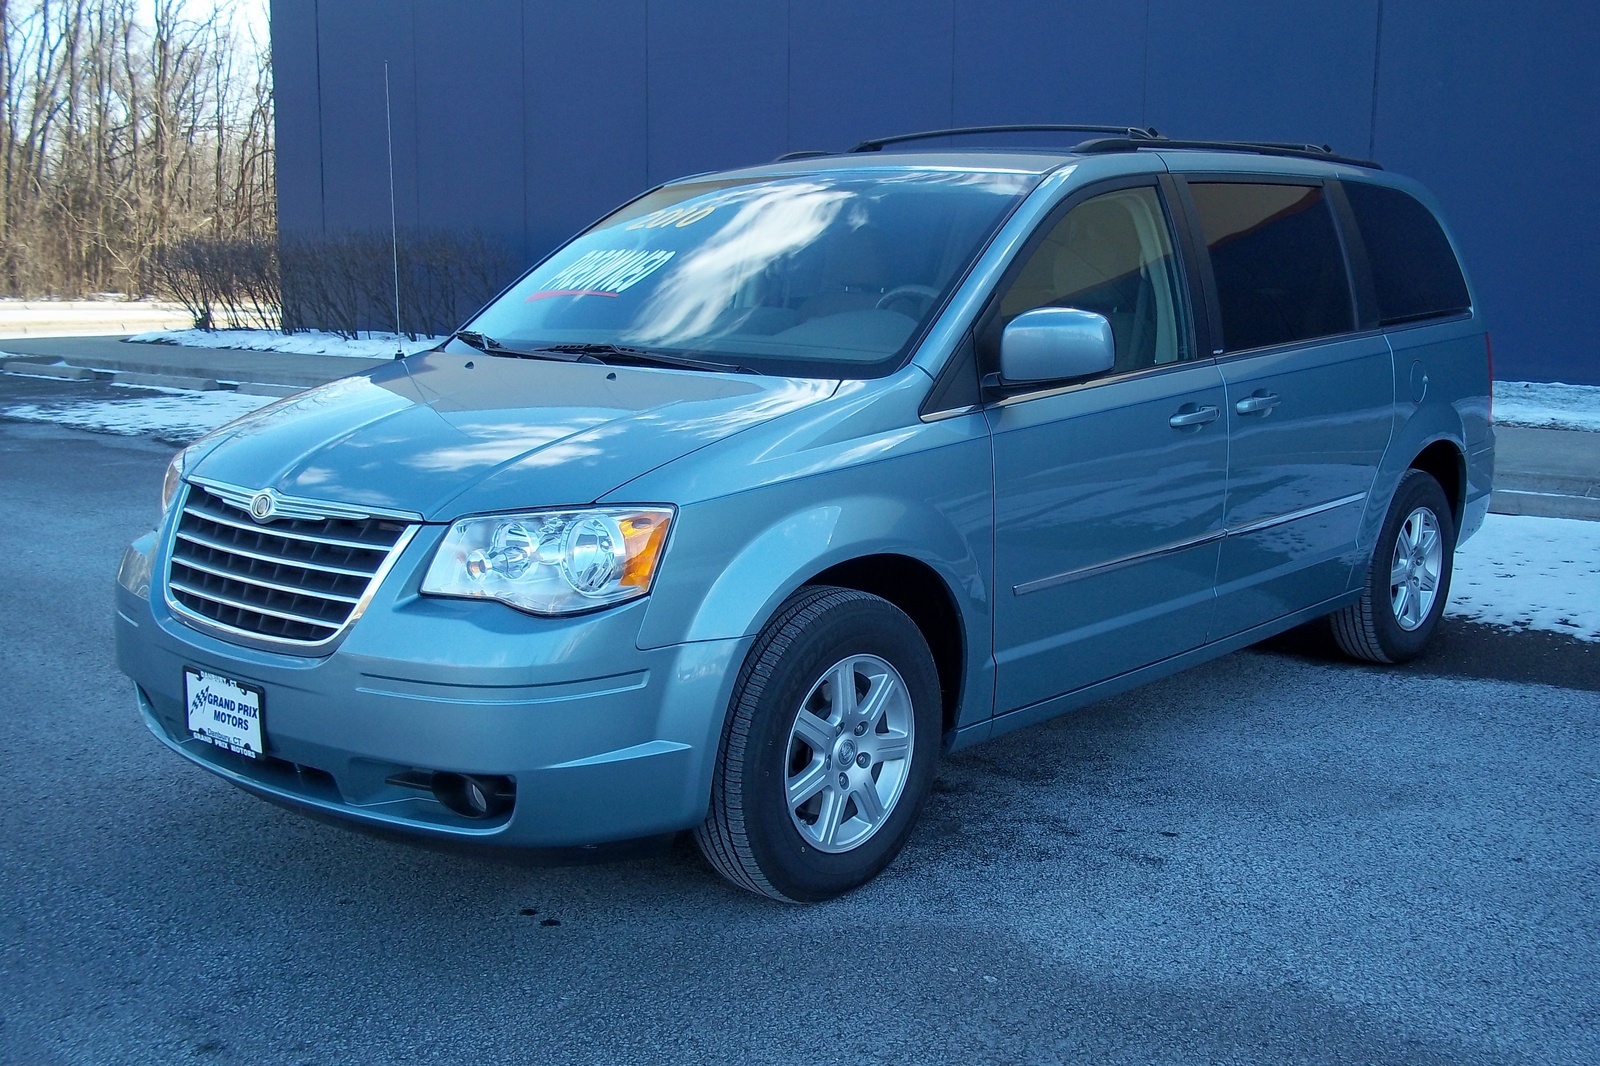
pixel 1108 492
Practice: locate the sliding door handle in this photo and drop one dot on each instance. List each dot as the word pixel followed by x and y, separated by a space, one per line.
pixel 1258 404
pixel 1190 415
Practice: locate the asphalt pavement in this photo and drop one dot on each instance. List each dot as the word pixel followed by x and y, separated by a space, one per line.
pixel 1277 857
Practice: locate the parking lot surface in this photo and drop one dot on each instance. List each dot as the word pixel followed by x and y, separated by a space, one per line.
pixel 1276 857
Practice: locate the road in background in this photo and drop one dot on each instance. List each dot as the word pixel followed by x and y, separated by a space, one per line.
pixel 1276 857
pixel 88 318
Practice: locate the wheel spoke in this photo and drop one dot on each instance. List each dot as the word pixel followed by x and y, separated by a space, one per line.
pixel 816 733
pixel 1407 541
pixel 827 824
pixel 1428 540
pixel 1427 580
pixel 842 694
pixel 1402 601
pixel 868 805
pixel 878 696
pixel 1401 571
pixel 1413 607
pixel 807 783
pixel 891 746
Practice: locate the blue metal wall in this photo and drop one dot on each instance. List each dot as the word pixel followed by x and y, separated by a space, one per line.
pixel 528 118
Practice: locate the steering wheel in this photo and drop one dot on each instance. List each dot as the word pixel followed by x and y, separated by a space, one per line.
pixel 923 295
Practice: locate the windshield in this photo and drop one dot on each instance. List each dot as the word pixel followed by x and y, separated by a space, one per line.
pixel 818 275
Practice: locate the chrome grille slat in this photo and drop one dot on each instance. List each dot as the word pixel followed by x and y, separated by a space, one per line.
pixel 287 616
pixel 263 583
pixel 300 579
pixel 264 557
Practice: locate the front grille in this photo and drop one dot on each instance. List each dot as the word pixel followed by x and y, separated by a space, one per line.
pixel 296 580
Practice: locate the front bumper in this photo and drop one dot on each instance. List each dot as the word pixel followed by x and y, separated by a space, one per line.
pixel 604 742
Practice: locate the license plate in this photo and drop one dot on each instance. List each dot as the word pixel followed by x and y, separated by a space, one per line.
pixel 224 712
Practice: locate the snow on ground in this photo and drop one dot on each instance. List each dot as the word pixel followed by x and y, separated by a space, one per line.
pixel 310 342
pixel 1531 573
pixel 1547 405
pixel 173 415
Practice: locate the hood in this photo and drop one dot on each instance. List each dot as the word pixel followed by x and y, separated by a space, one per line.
pixel 444 435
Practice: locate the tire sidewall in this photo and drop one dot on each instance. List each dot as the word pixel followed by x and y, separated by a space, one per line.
pixel 1416 489
pixel 858 626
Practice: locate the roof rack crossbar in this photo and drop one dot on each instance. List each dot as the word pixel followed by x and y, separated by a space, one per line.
pixel 1302 151
pixel 1128 133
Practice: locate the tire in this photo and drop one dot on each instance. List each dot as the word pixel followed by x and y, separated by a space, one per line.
pixel 1408 580
pixel 787 735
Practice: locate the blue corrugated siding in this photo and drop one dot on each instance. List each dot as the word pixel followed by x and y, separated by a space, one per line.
pixel 528 118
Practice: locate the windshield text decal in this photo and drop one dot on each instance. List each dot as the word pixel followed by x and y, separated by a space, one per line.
pixel 602 273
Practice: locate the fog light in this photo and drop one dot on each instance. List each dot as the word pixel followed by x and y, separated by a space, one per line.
pixel 472 796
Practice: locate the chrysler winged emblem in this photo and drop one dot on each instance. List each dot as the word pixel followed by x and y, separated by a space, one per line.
pixel 263 505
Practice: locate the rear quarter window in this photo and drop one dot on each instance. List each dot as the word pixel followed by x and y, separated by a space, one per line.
pixel 1414 268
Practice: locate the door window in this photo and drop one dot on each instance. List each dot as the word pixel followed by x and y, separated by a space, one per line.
pixel 1111 255
pixel 1279 268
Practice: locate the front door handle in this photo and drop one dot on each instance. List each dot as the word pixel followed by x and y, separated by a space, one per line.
pixel 1197 416
pixel 1258 404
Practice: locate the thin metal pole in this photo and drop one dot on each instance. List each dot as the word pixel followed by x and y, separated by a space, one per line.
pixel 394 228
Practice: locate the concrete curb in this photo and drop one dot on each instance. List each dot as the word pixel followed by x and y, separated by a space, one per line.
pixel 165 381
pixel 49 370
pixel 1544 504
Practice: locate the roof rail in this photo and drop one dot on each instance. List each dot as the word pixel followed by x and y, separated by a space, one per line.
pixel 1302 151
pixel 1123 133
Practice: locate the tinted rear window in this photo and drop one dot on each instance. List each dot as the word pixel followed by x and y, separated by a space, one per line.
pixel 1279 268
pixel 1413 267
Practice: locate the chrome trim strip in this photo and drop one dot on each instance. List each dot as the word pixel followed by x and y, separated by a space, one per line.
pixel 1294 516
pixel 293 506
pixel 264 557
pixel 1043 583
pixel 244 579
pixel 950 412
pixel 1040 584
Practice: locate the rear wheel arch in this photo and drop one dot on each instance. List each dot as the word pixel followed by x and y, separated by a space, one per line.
pixel 1445 462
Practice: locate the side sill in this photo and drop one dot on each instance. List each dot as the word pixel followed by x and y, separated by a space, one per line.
pixel 1083 697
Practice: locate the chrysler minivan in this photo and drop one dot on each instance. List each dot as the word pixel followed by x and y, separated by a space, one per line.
pixel 744 505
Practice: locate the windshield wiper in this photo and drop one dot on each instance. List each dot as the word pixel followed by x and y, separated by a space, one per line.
pixel 621 353
pixel 489 346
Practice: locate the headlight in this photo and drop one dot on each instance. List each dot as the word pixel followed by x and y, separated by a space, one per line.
pixel 552 562
pixel 173 479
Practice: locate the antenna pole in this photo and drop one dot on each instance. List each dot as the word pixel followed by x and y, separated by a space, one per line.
pixel 394 229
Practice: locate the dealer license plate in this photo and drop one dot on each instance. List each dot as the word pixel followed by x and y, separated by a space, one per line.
pixel 224 712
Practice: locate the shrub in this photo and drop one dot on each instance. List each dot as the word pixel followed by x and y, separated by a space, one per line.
pixel 343 282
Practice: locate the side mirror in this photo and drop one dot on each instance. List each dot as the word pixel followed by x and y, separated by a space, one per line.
pixel 1055 343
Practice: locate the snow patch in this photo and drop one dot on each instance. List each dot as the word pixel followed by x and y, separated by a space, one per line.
pixel 311 342
pixel 1547 405
pixel 175 416
pixel 1530 573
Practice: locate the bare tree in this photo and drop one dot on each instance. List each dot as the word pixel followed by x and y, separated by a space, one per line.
pixel 118 137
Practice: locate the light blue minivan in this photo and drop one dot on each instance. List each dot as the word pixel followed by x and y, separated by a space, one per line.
pixel 741 507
